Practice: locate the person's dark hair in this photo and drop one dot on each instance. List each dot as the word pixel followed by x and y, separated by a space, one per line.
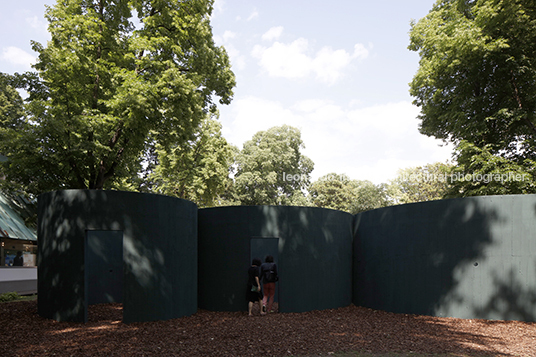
pixel 269 259
pixel 256 262
pixel 19 253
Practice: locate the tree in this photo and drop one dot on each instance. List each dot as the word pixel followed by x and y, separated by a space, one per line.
pixel 480 173
pixel 342 193
pixel 198 171
pixel 11 113
pixel 106 92
pixel 370 196
pixel 423 183
pixel 333 191
pixel 477 75
pixel 271 170
pixel 11 105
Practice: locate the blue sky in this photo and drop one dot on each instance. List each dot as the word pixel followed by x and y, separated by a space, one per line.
pixel 338 71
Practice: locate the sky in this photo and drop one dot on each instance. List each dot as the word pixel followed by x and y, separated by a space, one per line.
pixel 338 71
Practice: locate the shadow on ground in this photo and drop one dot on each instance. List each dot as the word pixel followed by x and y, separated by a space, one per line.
pixel 314 333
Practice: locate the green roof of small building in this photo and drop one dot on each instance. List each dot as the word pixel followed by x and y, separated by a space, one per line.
pixel 11 223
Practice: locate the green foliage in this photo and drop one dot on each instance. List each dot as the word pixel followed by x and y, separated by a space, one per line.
pixel 197 171
pixel 419 184
pixel 271 170
pixel 340 192
pixel 106 90
pixel 477 76
pixel 11 105
pixel 370 196
pixel 11 119
pixel 11 296
pixel 480 173
pixel 333 191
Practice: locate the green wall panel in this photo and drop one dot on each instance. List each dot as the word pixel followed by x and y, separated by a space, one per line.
pixel 159 252
pixel 314 258
pixel 470 258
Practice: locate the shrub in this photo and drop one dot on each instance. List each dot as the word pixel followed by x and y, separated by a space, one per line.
pixel 9 296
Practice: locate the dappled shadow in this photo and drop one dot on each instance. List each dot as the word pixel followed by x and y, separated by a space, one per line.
pixel 312 333
pixel 439 258
pixel 159 236
pixel 314 255
pixel 513 299
pixel 315 259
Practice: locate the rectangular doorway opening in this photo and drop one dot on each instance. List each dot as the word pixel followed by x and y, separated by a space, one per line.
pixel 104 274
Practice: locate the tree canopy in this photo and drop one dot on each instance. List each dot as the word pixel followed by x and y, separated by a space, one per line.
pixel 271 169
pixel 117 79
pixel 477 75
pixel 480 173
pixel 422 183
pixel 197 171
pixel 11 104
pixel 338 191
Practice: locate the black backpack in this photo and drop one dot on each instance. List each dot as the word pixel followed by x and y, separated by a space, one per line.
pixel 270 275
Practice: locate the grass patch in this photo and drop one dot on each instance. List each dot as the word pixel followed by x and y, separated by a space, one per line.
pixel 13 296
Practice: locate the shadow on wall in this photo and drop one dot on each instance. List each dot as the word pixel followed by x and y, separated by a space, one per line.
pixel 514 293
pixel 314 255
pixel 61 250
pixel 512 299
pixel 458 258
pixel 471 258
pixel 158 239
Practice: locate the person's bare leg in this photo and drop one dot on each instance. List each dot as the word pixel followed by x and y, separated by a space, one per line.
pixel 250 307
pixel 263 303
pixel 260 307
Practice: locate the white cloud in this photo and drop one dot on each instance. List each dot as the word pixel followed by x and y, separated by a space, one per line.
pixel 394 118
pixel 253 114
pixel 328 64
pixel 310 105
pixel 253 15
pixel 370 143
pixel 293 60
pixel 17 56
pixel 360 51
pixel 227 35
pixel 36 23
pixel 282 60
pixel 319 111
pixel 273 33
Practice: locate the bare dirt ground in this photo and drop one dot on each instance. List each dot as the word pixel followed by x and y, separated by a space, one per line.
pixel 315 333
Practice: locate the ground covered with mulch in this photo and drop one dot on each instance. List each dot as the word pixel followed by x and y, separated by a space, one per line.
pixel 317 333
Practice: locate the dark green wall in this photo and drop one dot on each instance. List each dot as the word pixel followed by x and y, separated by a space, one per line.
pixel 159 252
pixel 470 258
pixel 314 259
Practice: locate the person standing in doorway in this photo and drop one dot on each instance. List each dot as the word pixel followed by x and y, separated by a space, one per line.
pixel 254 292
pixel 18 261
pixel 269 277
